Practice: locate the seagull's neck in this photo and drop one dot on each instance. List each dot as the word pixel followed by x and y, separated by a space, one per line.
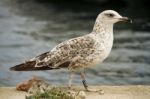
pixel 102 27
pixel 103 33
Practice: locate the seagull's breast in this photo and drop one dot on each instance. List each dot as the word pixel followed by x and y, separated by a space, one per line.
pixel 103 47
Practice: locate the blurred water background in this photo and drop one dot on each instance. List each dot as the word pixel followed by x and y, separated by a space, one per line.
pixel 31 27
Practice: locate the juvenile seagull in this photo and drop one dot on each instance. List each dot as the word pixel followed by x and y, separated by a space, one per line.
pixel 81 52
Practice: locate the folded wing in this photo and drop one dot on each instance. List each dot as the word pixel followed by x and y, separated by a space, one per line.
pixel 59 57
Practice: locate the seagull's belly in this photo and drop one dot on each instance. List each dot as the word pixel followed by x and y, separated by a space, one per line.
pixel 92 59
pixel 98 57
pixel 100 53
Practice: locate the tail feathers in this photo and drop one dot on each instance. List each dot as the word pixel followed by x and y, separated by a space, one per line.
pixel 29 66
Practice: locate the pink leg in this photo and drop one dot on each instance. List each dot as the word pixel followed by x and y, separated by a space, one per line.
pixel 86 86
pixel 84 81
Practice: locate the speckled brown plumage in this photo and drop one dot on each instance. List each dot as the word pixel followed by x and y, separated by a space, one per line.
pixel 80 52
pixel 76 53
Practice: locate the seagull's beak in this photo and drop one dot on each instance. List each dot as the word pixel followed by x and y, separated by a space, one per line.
pixel 125 19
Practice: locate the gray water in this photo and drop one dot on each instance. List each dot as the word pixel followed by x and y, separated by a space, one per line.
pixel 29 29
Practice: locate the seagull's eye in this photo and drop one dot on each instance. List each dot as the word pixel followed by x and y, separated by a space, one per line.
pixel 110 15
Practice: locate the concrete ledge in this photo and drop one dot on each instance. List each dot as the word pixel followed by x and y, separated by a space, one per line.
pixel 110 92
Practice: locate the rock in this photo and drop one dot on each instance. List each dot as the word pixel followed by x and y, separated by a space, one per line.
pixel 82 95
pixel 33 85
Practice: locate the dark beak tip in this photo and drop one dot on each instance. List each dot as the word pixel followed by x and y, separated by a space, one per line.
pixel 126 19
pixel 130 21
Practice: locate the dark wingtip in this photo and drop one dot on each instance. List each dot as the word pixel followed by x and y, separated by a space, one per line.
pixel 28 66
pixel 17 67
pixel 12 69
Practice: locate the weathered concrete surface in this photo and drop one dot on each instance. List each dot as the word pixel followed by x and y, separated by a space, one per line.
pixel 11 93
pixel 110 92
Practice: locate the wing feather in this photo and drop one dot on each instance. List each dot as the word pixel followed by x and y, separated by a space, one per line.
pixel 62 55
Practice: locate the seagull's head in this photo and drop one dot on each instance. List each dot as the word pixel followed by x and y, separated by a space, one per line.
pixel 111 16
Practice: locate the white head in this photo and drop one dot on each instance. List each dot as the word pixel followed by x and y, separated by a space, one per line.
pixel 111 17
pixel 106 20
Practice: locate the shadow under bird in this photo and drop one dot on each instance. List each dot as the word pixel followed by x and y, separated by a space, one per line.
pixel 79 53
